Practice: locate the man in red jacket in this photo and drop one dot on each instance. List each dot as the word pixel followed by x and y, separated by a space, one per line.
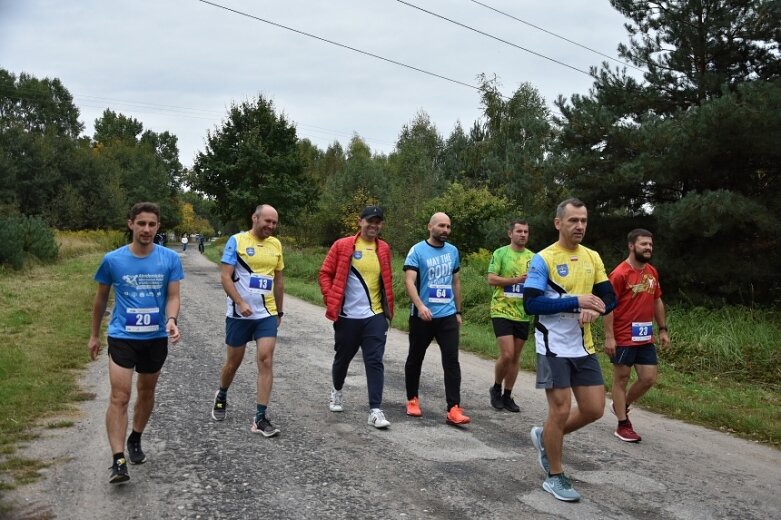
pixel 356 280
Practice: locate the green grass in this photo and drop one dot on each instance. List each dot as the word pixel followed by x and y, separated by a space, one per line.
pixel 44 323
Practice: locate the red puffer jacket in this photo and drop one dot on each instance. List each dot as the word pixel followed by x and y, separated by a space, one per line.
pixel 336 268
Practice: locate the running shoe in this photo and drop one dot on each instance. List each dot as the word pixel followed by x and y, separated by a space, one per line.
pixel 496 398
pixel 336 401
pixel 542 458
pixel 264 427
pixel 118 472
pixel 626 433
pixel 135 453
pixel 219 408
pixel 509 404
pixel 377 419
pixel 456 416
pixel 560 487
pixel 413 407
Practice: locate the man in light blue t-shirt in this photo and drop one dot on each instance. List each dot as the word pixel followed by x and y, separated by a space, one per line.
pixel 433 283
pixel 145 277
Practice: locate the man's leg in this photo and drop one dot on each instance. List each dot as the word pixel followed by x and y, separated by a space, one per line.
pixel 621 375
pixel 233 359
pixel 373 348
pixel 511 373
pixel 591 406
pixel 559 405
pixel 347 341
pixel 420 336
pixel 504 361
pixel 447 336
pixel 265 359
pixel 121 380
pixel 145 400
pixel 646 378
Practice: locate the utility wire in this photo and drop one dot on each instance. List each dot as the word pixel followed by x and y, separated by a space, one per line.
pixel 495 38
pixel 365 53
pixel 556 35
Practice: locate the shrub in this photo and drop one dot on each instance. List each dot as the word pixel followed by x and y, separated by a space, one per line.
pixel 21 235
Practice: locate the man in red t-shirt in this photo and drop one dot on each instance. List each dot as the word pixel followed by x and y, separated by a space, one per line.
pixel 629 329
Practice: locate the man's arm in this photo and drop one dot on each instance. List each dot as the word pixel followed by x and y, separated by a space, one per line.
pixel 279 293
pixel 327 272
pixel 172 306
pixel 495 280
pixel 98 310
pixel 457 296
pixel 226 277
pixel 610 337
pixel 661 323
pixel 410 276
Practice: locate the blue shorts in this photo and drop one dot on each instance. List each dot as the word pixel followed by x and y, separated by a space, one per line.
pixel 239 332
pixel 640 355
pixel 562 372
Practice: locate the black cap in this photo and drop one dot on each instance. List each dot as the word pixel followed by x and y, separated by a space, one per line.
pixel 372 212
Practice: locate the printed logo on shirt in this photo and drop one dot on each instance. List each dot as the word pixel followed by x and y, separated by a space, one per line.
pixel 250 251
pixel 562 269
pixel 358 255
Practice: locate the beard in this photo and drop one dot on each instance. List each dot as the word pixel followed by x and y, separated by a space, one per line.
pixel 642 257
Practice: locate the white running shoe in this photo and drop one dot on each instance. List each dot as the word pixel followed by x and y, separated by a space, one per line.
pixel 336 402
pixel 377 418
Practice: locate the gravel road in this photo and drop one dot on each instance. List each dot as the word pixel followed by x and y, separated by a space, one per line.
pixel 326 465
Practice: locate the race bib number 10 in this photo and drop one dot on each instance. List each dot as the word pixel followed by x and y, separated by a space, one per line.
pixel 440 293
pixel 260 284
pixel 142 320
pixel 642 331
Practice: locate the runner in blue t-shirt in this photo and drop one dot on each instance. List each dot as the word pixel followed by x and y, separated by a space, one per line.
pixel 433 283
pixel 145 278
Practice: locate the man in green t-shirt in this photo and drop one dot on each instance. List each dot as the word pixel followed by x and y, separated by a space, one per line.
pixel 506 274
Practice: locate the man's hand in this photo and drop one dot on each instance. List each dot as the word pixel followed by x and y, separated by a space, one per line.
pixel 424 313
pixel 664 336
pixel 610 346
pixel 93 345
pixel 591 302
pixel 244 309
pixel 173 331
pixel 587 316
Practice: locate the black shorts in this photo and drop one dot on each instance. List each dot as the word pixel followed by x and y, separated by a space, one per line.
pixel 505 327
pixel 145 355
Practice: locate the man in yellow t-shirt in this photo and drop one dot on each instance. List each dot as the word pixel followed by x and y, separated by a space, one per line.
pixel 506 274
pixel 567 289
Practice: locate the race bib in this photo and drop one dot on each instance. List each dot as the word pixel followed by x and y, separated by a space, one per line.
pixel 642 331
pixel 260 284
pixel 142 320
pixel 440 293
pixel 513 291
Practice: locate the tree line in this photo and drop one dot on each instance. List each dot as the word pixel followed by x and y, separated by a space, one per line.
pixel 690 151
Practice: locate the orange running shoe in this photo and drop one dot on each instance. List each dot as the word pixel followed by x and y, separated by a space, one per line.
pixel 413 407
pixel 456 416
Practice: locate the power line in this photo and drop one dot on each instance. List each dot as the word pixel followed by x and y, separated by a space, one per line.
pixel 365 53
pixel 495 38
pixel 556 35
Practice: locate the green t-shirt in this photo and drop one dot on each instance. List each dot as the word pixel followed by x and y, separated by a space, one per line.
pixel 507 302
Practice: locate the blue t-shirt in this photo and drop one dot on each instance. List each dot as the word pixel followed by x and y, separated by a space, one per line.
pixel 140 290
pixel 435 267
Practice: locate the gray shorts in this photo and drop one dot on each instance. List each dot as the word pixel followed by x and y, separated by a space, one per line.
pixel 561 372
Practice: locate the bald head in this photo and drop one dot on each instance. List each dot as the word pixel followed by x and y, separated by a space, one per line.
pixel 438 228
pixel 264 221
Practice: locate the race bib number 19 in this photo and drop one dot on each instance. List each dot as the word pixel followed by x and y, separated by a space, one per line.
pixel 142 320
pixel 260 284
pixel 440 293
pixel 642 331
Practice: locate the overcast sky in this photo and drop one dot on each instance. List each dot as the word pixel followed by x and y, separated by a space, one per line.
pixel 177 65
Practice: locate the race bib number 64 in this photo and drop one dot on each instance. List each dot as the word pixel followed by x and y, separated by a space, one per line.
pixel 440 293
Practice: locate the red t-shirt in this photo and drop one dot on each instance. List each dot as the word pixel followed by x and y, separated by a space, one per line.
pixel 636 290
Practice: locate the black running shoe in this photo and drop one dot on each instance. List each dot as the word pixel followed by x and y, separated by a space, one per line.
pixel 264 427
pixel 135 453
pixel 219 408
pixel 119 472
pixel 509 404
pixel 496 398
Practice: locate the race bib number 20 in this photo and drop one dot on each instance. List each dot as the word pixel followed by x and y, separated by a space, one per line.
pixel 142 319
